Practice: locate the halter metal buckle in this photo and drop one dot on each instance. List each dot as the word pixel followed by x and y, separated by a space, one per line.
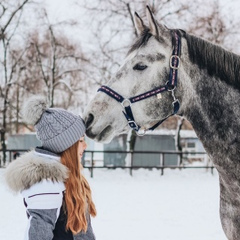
pixel 173 95
pixel 133 124
pixel 176 105
pixel 175 101
pixel 171 62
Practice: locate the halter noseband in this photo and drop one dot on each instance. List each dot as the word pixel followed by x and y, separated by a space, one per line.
pixel 169 86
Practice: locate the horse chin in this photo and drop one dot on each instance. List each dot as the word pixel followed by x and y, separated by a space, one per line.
pixel 105 136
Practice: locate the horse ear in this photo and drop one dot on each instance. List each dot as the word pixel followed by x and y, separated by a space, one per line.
pixel 152 22
pixel 139 25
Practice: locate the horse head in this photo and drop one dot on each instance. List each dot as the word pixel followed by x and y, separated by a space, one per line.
pixel 144 71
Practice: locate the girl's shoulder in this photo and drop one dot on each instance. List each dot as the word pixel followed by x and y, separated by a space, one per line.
pixel 33 169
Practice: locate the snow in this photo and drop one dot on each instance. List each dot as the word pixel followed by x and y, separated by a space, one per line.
pixel 164 131
pixel 181 205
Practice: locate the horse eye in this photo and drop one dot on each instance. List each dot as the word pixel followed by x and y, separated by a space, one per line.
pixel 139 67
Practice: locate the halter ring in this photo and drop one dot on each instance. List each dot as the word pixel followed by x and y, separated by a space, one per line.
pixel 142 133
pixel 127 101
pixel 170 88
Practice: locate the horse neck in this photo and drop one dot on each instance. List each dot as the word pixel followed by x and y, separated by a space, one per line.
pixel 210 103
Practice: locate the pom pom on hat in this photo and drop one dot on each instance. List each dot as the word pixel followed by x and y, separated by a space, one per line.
pixel 33 109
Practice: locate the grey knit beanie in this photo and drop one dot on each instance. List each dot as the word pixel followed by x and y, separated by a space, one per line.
pixel 56 128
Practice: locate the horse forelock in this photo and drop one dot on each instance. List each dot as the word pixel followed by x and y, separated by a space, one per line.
pixel 217 61
pixel 141 41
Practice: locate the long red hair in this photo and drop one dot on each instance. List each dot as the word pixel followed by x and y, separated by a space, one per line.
pixel 78 197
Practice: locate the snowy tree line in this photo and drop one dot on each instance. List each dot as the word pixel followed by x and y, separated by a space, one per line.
pixel 44 58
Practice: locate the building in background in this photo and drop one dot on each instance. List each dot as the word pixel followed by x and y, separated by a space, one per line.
pixel 162 140
pixel 98 154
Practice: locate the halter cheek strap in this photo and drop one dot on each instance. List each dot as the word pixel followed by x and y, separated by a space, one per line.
pixel 170 86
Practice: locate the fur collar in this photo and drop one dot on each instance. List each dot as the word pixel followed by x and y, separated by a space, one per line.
pixel 32 168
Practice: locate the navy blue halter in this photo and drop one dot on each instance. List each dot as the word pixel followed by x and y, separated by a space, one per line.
pixel 169 86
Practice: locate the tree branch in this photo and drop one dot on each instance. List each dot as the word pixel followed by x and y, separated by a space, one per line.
pixel 12 16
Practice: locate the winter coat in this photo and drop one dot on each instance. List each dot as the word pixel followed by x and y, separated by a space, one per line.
pixel 39 176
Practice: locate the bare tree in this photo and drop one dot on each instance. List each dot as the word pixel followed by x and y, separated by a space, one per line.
pixel 56 65
pixel 44 61
pixel 10 16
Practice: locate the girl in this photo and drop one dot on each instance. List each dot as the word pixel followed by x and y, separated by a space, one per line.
pixel 57 196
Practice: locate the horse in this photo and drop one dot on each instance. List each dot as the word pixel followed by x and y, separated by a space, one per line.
pixel 168 72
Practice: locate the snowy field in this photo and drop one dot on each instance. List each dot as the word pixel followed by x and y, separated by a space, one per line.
pixel 181 205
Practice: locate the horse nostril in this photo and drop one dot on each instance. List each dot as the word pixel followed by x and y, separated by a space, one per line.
pixel 89 120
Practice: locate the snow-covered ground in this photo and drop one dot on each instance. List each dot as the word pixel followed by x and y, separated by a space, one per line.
pixel 181 205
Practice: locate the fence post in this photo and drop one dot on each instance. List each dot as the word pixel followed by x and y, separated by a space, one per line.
pixel 163 162
pixel 10 156
pixel 91 164
pixel 131 162
pixel 212 167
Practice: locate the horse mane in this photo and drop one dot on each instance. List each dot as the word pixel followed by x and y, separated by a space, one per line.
pixel 216 60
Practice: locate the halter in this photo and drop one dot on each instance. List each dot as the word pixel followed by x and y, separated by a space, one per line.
pixel 170 86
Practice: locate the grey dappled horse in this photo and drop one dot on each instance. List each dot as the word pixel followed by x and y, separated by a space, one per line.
pixel 168 72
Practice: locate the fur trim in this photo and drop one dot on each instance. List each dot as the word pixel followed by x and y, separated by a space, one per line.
pixel 30 169
pixel 33 109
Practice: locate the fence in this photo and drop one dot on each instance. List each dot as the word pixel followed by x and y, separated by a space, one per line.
pixel 93 162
